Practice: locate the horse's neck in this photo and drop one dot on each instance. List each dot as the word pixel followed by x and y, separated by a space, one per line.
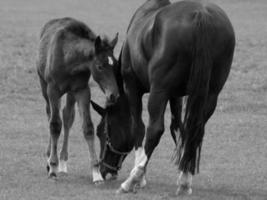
pixel 149 7
pixel 157 3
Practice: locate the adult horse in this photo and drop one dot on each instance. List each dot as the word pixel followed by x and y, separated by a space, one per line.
pixel 171 50
pixel 69 53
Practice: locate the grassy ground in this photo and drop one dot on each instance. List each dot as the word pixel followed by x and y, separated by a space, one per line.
pixel 234 156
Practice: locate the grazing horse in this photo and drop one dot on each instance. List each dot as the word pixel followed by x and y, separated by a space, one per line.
pixel 171 50
pixel 69 53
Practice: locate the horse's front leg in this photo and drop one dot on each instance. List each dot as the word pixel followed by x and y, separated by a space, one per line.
pixel 156 108
pixel 135 101
pixel 83 100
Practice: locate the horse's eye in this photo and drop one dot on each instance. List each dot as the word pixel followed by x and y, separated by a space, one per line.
pixel 100 67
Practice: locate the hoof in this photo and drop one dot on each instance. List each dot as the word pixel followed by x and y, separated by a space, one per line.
pixel 141 184
pixel 99 182
pixel 133 190
pixel 183 190
pixel 52 175
pixel 122 191
pixel 111 177
pixel 62 167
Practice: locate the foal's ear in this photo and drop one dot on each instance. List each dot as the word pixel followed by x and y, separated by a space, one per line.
pixel 98 44
pixel 114 41
pixel 101 111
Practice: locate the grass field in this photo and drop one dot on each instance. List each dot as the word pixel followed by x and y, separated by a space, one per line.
pixel 234 156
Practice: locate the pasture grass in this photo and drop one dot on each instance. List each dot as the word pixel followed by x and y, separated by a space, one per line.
pixel 234 156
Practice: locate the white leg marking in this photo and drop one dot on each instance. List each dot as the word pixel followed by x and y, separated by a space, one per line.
pixel 62 167
pixel 136 173
pixel 97 177
pixel 138 158
pixel 184 183
pixel 141 158
pixel 138 154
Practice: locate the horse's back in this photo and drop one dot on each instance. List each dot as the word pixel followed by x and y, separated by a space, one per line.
pixel 63 39
pixel 168 34
pixel 179 21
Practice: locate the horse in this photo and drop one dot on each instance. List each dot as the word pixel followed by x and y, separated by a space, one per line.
pixel 171 51
pixel 69 52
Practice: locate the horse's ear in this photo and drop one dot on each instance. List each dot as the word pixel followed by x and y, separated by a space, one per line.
pixel 98 44
pixel 101 111
pixel 114 41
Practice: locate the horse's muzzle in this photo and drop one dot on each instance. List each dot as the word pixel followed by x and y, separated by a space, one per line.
pixel 111 99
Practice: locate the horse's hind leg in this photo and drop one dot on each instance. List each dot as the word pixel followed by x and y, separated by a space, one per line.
pixel 55 125
pixel 184 181
pixel 83 99
pixel 68 114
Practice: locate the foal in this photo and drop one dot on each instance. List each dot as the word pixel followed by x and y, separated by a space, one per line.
pixel 69 53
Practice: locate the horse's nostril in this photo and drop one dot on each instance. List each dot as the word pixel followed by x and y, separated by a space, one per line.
pixel 112 98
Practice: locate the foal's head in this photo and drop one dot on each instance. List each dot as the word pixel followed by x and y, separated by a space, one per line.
pixel 102 67
pixel 114 133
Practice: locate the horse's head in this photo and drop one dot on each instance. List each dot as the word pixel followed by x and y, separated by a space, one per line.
pixel 102 67
pixel 114 132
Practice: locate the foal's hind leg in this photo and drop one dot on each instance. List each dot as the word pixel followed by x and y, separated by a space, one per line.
pixel 55 125
pixel 68 118
pixel 184 181
pixel 156 108
pixel 48 111
pixel 83 100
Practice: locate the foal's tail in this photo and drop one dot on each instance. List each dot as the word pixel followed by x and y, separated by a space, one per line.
pixel 188 154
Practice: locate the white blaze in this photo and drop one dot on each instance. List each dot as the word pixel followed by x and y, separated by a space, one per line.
pixel 110 61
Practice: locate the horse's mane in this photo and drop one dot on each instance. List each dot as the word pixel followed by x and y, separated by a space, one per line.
pixel 118 75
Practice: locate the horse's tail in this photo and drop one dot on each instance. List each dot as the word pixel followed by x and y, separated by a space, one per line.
pixel 188 154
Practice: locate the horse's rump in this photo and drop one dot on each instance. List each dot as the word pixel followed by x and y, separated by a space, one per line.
pixel 204 53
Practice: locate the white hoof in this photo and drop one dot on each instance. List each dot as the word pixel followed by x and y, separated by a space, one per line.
pixel 97 177
pixel 184 190
pixel 62 167
pixel 121 191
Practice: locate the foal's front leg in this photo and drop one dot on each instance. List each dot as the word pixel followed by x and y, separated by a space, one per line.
pixel 83 100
